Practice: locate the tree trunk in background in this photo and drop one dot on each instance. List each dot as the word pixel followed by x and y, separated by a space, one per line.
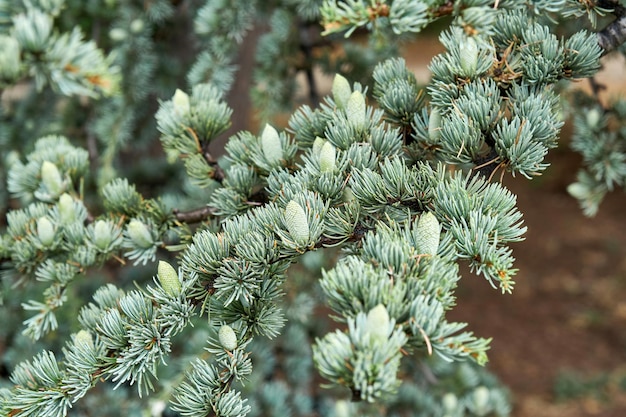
pixel 239 97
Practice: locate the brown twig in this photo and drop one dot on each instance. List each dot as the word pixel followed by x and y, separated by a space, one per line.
pixel 358 234
pixel 196 215
pixel 487 164
pixel 444 10
pixel 218 172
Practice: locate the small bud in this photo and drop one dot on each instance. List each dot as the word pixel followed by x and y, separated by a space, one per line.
pixel 579 191
pixel 102 234
pixel 106 174
pixel 181 102
pixel 342 409
pixel 228 338
pixel 11 158
pixel 450 403
pixel 117 34
pixel 428 233
pixel 136 26
pixel 157 408
pixel 593 117
pixel 317 145
pixel 355 109
pixel 168 278
pixel 67 211
pixel 327 157
pixel 481 358
pixel 434 124
pixel 84 338
pixel 341 91
pixel 45 231
pixel 139 234
pixel 9 58
pixel 377 324
pixel 468 54
pixel 296 222
pixel 481 399
pixel 271 146
pixel 348 195
pixel 51 178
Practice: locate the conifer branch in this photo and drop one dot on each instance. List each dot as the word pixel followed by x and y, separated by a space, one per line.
pixel 218 172
pixel 402 180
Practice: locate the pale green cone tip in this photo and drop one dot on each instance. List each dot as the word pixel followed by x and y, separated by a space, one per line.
pixel 45 231
pixel 468 51
pixel 296 222
pixel 579 191
pixel 168 278
pixel 318 143
pixel 9 57
pixel 51 178
pixel 102 235
pixel 342 409
pixel 181 102
pixel 327 157
pixel 341 91
pixel 481 397
pixel 428 234
pixel 117 34
pixel 377 324
pixel 67 212
pixel 270 144
pixel 139 234
pixel 450 402
pixel 593 117
pixel 434 125
pixel 228 338
pixel 84 338
pixel 136 25
pixel 348 195
pixel 355 109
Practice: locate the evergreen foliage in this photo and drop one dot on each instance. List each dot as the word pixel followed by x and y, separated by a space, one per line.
pixel 600 137
pixel 401 177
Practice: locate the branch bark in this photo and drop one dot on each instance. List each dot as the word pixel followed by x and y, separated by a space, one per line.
pixel 196 215
pixel 218 172
pixel 614 34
